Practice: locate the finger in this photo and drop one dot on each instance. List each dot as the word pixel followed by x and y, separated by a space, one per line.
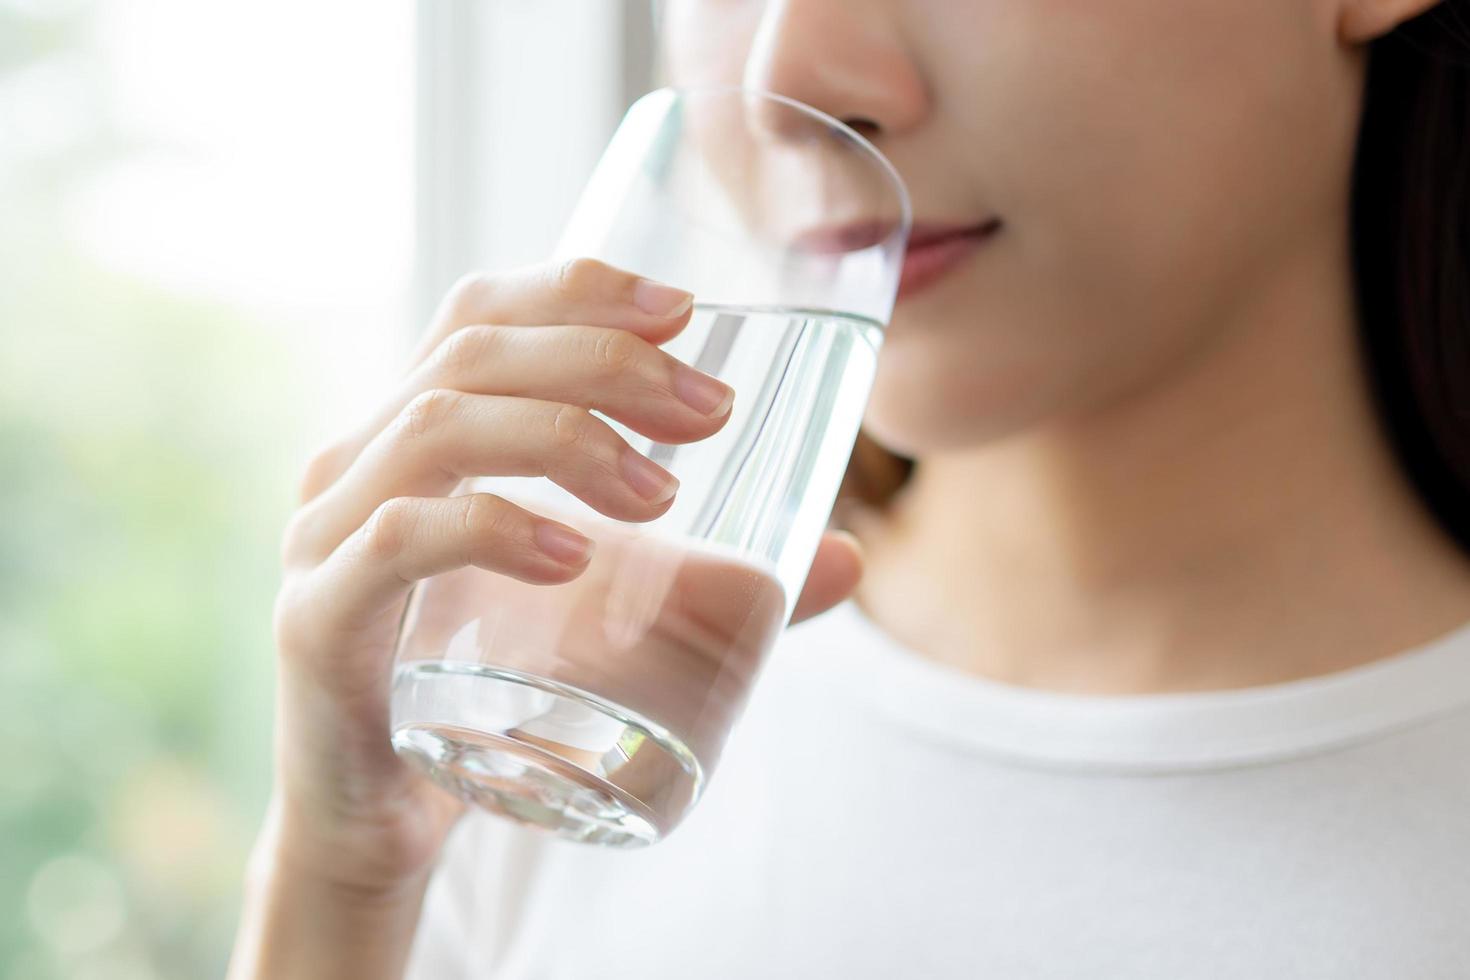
pixel 445 436
pixel 580 291
pixel 834 575
pixel 613 371
pixel 407 539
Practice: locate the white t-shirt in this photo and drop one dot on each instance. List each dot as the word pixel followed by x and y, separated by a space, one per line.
pixel 880 815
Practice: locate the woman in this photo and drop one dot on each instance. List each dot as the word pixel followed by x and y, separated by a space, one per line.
pixel 1158 664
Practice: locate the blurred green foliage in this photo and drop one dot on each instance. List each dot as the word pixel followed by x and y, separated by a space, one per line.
pixel 144 478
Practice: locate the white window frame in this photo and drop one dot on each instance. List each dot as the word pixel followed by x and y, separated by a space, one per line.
pixel 515 101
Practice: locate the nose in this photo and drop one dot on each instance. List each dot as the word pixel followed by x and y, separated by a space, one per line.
pixel 845 57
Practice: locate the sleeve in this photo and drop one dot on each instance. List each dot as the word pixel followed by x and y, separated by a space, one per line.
pixel 476 899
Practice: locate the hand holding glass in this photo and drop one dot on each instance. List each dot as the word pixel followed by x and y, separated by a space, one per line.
pixel 598 708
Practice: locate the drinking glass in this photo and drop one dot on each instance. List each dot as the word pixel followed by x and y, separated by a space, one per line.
pixel 598 708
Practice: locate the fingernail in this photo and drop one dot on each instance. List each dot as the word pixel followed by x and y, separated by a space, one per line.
pixel 563 544
pixel 648 478
pixel 659 300
pixel 703 393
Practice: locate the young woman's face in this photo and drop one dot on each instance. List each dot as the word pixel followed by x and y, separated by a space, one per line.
pixel 1152 163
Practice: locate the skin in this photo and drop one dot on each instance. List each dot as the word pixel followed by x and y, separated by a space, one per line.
pixel 1146 456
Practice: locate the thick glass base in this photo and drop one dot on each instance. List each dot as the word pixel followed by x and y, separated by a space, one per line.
pixel 543 753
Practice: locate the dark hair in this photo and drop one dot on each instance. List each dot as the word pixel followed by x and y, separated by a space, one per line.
pixel 1411 263
pixel 1411 251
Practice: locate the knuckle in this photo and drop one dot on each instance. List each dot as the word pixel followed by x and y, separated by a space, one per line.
pixel 428 412
pixel 295 537
pixel 485 517
pixel 462 351
pixel 571 427
pixel 580 274
pixel 490 526
pixel 470 295
pixel 321 469
pixel 387 531
pixel 615 351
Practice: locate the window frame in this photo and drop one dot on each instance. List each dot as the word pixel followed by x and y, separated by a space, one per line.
pixel 478 193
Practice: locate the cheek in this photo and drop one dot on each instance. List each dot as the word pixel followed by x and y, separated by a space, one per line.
pixel 1154 148
pixel 1152 161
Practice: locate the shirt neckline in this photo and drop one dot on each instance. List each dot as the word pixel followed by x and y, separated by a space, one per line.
pixel 1148 733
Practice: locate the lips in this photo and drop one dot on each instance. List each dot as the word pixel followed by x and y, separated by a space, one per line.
pixel 850 237
pixel 936 249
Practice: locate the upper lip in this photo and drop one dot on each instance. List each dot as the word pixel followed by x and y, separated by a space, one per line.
pixel 856 235
pixel 848 237
pixel 929 232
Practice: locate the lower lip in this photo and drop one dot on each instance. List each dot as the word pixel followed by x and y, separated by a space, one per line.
pixel 928 264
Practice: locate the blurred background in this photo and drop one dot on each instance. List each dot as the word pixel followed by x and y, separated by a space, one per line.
pixel 222 226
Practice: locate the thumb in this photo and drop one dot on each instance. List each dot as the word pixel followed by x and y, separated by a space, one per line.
pixel 834 574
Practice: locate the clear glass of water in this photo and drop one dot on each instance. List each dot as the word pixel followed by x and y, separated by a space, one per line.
pixel 598 709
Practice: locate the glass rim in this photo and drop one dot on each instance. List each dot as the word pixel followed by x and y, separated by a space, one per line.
pixel 906 214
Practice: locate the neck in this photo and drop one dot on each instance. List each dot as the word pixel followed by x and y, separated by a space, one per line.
pixel 1243 522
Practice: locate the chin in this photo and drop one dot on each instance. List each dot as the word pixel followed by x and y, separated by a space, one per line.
pixel 926 401
pixel 914 422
